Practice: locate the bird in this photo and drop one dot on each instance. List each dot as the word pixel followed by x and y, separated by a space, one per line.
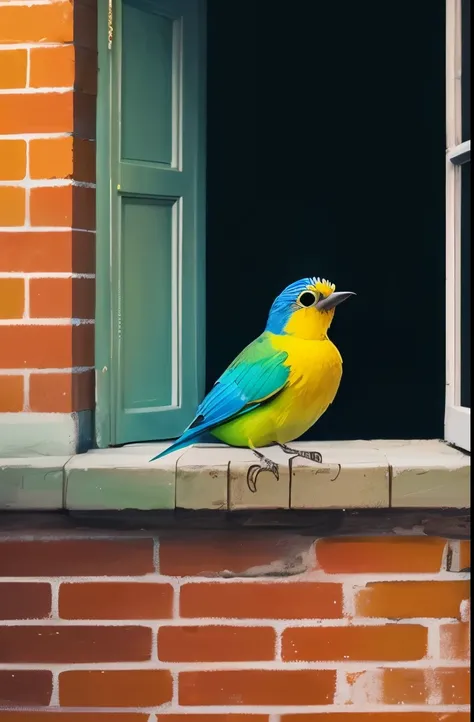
pixel 280 384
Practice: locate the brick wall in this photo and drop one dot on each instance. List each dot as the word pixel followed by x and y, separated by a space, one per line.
pixel 221 626
pixel 48 73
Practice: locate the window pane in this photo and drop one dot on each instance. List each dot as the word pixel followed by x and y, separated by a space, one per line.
pixel 466 285
pixel 466 69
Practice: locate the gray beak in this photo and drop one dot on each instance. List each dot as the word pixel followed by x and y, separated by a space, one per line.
pixel 333 300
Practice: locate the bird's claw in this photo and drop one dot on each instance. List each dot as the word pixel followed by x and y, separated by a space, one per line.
pixel 310 455
pixel 255 469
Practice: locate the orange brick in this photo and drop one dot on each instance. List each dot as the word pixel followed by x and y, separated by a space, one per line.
pixel 239 554
pixel 50 23
pixel 404 600
pixel 63 158
pixel 13 69
pixel 465 555
pixel 62 392
pixel 411 686
pixel 44 347
pixel 52 158
pixel 12 297
pixel 62 298
pixel 47 251
pixel 11 393
pixel 376 717
pixel 216 644
pixel 297 600
pixel 36 113
pixel 256 686
pixel 52 67
pixel 380 555
pixel 12 205
pixel 74 717
pixel 455 639
pixel 115 600
pixel 390 642
pixel 13 159
pixel 64 206
pixel 130 688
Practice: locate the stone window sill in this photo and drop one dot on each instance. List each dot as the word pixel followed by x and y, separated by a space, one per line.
pixel 372 475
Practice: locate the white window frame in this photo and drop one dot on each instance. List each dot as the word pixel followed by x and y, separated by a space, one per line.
pixel 457 423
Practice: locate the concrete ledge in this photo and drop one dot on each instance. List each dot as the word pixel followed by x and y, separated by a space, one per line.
pixel 353 475
pixel 28 435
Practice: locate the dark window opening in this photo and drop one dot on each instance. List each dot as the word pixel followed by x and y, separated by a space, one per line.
pixel 326 142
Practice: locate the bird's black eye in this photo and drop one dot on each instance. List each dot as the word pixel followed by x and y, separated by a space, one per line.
pixel 307 299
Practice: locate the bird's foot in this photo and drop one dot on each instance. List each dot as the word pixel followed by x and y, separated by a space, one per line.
pixel 255 469
pixel 310 455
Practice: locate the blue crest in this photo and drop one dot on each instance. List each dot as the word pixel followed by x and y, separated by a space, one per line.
pixel 285 304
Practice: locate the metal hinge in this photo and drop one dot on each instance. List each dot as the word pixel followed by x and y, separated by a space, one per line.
pixel 110 25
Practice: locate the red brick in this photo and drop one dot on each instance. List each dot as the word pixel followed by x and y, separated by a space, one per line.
pixel 62 298
pixel 74 716
pixel 86 71
pixel 380 555
pixel 234 554
pixel 25 688
pixel 63 392
pixel 124 688
pixel 115 600
pixel 390 642
pixel 63 206
pixel 67 557
pixel 74 644
pixel 377 717
pixel 405 600
pixel 36 113
pixel 412 686
pixel 261 600
pixel 21 600
pixel 44 347
pixel 256 686
pixel 48 251
pixel 455 639
pixel 216 644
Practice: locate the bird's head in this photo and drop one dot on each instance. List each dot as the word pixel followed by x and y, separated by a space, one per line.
pixel 305 308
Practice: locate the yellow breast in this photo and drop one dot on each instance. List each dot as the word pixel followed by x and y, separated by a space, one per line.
pixel 315 375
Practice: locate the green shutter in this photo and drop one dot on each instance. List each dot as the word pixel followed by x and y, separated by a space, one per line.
pixel 155 78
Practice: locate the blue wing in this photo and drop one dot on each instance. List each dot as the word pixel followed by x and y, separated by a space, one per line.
pixel 257 374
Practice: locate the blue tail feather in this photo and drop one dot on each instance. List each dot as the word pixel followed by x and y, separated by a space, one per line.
pixel 189 437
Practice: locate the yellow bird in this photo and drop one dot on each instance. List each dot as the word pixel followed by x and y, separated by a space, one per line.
pixel 280 384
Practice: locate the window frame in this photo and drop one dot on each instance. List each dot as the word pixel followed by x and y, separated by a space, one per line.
pixel 457 423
